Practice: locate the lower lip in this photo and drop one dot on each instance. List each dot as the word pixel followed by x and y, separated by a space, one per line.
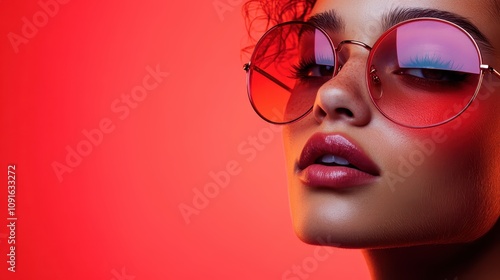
pixel 335 177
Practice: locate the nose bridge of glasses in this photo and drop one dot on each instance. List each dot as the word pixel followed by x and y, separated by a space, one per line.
pixel 343 59
pixel 352 42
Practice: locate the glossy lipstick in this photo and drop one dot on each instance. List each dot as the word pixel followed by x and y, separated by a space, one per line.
pixel 333 161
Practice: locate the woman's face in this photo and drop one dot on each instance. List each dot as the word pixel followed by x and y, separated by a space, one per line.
pixel 422 186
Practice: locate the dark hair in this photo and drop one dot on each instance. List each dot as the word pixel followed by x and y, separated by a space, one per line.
pixel 260 15
pixel 267 13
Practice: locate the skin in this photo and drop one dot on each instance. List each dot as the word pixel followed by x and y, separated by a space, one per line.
pixel 441 221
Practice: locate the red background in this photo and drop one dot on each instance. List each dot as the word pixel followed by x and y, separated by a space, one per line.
pixel 117 212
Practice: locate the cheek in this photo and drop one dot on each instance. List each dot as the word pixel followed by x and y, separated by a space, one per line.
pixel 469 141
pixel 435 183
pixel 295 135
pixel 453 170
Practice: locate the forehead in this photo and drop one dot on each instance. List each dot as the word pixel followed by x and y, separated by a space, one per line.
pixel 480 10
pixel 362 16
pixel 363 19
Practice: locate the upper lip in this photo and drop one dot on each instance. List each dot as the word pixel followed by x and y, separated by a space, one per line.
pixel 321 144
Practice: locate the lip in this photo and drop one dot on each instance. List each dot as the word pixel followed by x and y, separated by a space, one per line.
pixel 361 171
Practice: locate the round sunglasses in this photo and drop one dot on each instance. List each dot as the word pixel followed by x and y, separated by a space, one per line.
pixel 416 72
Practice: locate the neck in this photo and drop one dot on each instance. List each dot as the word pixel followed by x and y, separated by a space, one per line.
pixel 475 260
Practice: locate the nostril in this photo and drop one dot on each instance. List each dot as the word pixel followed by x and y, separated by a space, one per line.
pixel 319 113
pixel 344 111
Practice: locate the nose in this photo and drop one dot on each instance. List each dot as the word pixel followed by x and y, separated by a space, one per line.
pixel 345 97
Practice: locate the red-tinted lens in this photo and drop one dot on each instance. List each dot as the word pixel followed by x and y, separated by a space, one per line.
pixel 424 72
pixel 288 66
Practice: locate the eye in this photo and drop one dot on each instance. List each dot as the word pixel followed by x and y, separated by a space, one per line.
pixel 320 71
pixel 436 75
pixel 306 70
pixel 432 68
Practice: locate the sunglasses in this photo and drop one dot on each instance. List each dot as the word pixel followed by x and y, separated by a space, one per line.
pixel 420 73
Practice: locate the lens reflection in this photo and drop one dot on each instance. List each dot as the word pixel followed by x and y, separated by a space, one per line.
pixel 289 65
pixel 424 68
pixel 416 71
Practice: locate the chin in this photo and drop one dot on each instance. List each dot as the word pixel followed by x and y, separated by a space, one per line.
pixel 330 221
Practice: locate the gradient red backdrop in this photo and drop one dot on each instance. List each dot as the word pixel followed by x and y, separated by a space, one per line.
pixel 118 114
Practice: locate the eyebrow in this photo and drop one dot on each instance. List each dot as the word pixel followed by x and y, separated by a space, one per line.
pixel 331 21
pixel 328 20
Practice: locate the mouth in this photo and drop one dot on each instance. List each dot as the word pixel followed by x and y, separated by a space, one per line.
pixel 333 161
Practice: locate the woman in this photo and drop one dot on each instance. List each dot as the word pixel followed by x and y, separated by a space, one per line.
pixel 391 128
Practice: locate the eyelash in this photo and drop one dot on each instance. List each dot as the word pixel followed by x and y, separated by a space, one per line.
pixel 301 69
pixel 428 65
pixel 431 62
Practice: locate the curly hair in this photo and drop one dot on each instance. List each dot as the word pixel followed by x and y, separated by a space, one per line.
pixel 260 15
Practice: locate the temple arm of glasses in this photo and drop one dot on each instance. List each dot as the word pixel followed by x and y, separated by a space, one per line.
pixel 247 66
pixel 491 70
